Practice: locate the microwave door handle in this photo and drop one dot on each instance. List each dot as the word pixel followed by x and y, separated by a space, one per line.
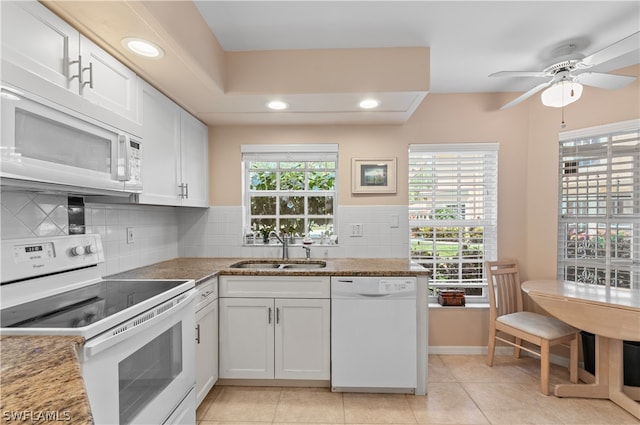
pixel 124 154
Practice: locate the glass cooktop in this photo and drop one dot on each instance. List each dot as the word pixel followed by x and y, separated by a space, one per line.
pixel 84 306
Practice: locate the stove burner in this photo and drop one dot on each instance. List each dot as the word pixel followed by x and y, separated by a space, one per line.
pixel 82 307
pixel 66 316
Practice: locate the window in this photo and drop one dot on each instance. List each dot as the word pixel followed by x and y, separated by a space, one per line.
pixel 599 195
pixel 290 189
pixel 453 202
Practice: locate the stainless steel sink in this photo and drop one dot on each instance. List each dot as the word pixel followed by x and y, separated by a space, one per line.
pixel 270 264
pixel 248 265
pixel 304 266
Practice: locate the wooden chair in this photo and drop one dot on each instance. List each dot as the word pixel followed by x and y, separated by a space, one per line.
pixel 506 316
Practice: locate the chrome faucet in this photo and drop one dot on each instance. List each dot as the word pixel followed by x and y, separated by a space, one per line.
pixel 283 241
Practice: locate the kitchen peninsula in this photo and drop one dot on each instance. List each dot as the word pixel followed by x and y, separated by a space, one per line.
pixel 197 268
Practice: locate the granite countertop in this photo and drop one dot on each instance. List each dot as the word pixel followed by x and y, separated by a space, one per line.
pixel 202 268
pixel 41 380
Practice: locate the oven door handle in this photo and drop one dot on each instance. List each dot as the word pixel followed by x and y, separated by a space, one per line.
pixel 117 335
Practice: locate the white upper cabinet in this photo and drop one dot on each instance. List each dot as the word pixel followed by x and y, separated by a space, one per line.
pixel 175 161
pixel 36 40
pixel 43 54
pixel 107 82
pixel 194 161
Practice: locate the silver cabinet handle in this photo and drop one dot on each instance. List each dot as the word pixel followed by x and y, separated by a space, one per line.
pixel 90 69
pixel 79 74
pixel 181 186
pixel 278 315
pixel 269 315
pixel 186 187
pixel 198 333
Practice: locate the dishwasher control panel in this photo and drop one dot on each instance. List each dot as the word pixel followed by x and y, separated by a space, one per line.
pixel 373 286
pixel 393 286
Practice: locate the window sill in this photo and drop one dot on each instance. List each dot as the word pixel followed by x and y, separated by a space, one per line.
pixel 469 305
pixel 277 245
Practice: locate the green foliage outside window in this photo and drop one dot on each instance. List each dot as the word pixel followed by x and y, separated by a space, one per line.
pixel 284 197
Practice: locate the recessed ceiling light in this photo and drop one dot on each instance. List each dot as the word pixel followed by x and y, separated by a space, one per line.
pixel 277 105
pixel 143 47
pixel 369 103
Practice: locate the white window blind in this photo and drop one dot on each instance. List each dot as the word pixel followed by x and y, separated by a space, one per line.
pixel 599 223
pixel 453 204
pixel 290 189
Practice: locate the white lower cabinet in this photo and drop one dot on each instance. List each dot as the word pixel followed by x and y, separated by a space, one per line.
pixel 274 338
pixel 302 338
pixel 206 340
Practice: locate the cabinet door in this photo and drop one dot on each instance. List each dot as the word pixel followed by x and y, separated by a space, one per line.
pixel 246 338
pixel 206 350
pixel 194 161
pixel 37 42
pixel 107 82
pixel 302 338
pixel 160 149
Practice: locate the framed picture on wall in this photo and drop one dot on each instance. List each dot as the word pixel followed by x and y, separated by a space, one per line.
pixel 373 175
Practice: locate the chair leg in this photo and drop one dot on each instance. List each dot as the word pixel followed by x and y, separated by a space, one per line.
pixel 491 346
pixel 516 349
pixel 573 360
pixel 544 367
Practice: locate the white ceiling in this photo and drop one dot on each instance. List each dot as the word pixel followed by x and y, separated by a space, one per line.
pixel 468 40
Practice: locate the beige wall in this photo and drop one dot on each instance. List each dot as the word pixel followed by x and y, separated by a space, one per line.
pixel 528 136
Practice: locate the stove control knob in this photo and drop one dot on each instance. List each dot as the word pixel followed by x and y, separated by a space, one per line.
pixel 77 250
pixel 90 249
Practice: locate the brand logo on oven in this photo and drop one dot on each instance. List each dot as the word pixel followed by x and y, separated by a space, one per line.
pixel 37 266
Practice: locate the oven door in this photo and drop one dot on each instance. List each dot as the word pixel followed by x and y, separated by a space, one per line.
pixel 141 371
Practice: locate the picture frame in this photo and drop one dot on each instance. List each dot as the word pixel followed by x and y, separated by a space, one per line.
pixel 373 176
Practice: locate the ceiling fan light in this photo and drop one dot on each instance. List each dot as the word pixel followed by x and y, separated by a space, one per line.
pixel 561 94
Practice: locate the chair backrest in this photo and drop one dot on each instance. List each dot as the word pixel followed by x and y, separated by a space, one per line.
pixel 505 294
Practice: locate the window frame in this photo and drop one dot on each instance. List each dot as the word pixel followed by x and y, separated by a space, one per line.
pixel 601 211
pixel 288 153
pixel 488 153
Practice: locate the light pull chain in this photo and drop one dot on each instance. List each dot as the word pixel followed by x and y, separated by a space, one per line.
pixel 562 124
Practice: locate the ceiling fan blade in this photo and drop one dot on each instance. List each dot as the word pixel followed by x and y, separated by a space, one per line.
pixel 527 94
pixel 613 51
pixel 537 74
pixel 604 81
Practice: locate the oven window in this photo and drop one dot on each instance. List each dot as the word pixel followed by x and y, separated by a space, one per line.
pixel 144 374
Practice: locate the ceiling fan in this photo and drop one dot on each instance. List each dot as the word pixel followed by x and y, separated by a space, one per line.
pixel 566 76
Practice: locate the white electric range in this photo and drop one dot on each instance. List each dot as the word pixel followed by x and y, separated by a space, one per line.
pixel 139 352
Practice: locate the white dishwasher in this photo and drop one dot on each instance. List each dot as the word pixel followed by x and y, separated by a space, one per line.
pixel 373 334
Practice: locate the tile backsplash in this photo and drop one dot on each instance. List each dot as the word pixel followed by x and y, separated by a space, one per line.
pixel 155 229
pixel 29 214
pixel 217 232
pixel 162 233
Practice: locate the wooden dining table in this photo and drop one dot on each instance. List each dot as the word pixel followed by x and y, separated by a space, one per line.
pixel 613 316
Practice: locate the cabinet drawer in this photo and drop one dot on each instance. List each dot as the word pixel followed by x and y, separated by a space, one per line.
pixel 274 287
pixel 207 292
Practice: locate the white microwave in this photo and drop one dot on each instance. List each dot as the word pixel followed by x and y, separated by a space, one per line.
pixel 43 142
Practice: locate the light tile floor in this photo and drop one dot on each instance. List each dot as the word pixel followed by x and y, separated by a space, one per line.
pixel 461 390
